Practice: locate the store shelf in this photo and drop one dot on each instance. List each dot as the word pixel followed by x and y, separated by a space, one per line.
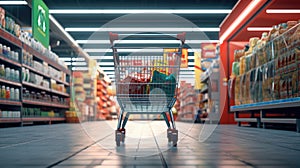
pixel 284 103
pixel 36 71
pixel 46 59
pixel 32 119
pixel 60 81
pixel 59 93
pixel 10 102
pixel 35 86
pixel 10 82
pixel 10 120
pixel 7 60
pixel 39 103
pixel 10 38
pixel 279 120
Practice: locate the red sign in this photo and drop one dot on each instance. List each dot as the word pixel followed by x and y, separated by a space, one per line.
pixel 208 50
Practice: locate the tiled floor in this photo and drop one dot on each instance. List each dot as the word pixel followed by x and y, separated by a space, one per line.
pixel 93 145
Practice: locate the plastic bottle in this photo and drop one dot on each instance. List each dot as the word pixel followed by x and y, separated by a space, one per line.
pixel 17 74
pixel 12 74
pixel 2 70
pixel 12 93
pixel 3 92
pixel 17 94
pixel 7 94
pixel 1 49
pixel 7 73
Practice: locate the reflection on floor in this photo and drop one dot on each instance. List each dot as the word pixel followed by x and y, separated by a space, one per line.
pixel 93 145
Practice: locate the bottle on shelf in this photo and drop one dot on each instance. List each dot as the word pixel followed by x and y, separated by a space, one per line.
pixel 2 70
pixel 12 93
pixel 3 92
pixel 17 94
pixel 7 93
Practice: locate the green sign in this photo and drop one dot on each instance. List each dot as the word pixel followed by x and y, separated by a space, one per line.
pixel 40 22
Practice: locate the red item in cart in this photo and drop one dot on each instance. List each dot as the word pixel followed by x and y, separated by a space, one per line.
pixel 135 84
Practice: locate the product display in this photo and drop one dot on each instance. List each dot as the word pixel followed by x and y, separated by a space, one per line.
pixel 9 93
pixel 10 114
pixel 270 65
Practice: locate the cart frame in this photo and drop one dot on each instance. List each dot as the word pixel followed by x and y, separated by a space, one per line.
pixel 140 102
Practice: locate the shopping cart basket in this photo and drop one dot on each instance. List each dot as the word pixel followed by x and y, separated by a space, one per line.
pixel 146 77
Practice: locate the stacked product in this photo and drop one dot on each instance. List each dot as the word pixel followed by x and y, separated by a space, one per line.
pixel 9 73
pixel 9 24
pixel 10 114
pixel 5 51
pixel 103 99
pixel 42 96
pixel 268 69
pixel 9 93
pixel 188 99
pixel 37 112
pixel 79 97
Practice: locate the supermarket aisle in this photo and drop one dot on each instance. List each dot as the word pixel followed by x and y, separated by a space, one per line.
pixel 67 145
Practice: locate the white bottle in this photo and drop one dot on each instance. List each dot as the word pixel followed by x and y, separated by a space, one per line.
pixel 12 93
pixel 7 73
pixel 17 94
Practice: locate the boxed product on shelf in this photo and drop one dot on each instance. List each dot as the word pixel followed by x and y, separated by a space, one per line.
pixel 283 86
pixel 293 84
pixel 268 81
pixel 237 90
pixel 242 65
pixel 2 18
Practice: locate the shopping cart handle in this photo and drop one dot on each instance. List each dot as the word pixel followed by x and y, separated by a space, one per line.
pixel 181 36
pixel 113 37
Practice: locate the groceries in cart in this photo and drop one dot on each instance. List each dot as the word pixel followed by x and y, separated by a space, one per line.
pixel 141 84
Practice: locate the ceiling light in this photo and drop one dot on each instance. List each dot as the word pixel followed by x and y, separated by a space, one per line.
pixel 124 41
pixel 93 41
pixel 13 3
pixel 141 29
pixel 283 10
pixel 259 28
pixel 106 63
pixel 102 50
pixel 239 19
pixel 110 73
pixel 145 11
pixel 80 68
pixel 107 68
pixel 76 63
pixel 102 57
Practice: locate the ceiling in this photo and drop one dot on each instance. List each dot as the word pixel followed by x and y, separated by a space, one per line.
pixel 99 20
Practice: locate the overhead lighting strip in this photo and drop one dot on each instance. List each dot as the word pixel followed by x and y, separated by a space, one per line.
pixel 141 29
pixel 13 3
pixel 239 19
pixel 283 11
pixel 259 28
pixel 144 11
pixel 137 41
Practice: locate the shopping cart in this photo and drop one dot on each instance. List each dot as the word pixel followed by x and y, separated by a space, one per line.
pixel 146 77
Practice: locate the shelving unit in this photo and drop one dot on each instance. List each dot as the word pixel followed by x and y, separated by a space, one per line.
pixel 209 94
pixel 187 99
pixel 11 62
pixel 10 102
pixel 13 105
pixel 269 111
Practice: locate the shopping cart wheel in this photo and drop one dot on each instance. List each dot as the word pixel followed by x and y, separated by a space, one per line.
pixel 175 138
pixel 123 133
pixel 118 138
pixel 169 135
